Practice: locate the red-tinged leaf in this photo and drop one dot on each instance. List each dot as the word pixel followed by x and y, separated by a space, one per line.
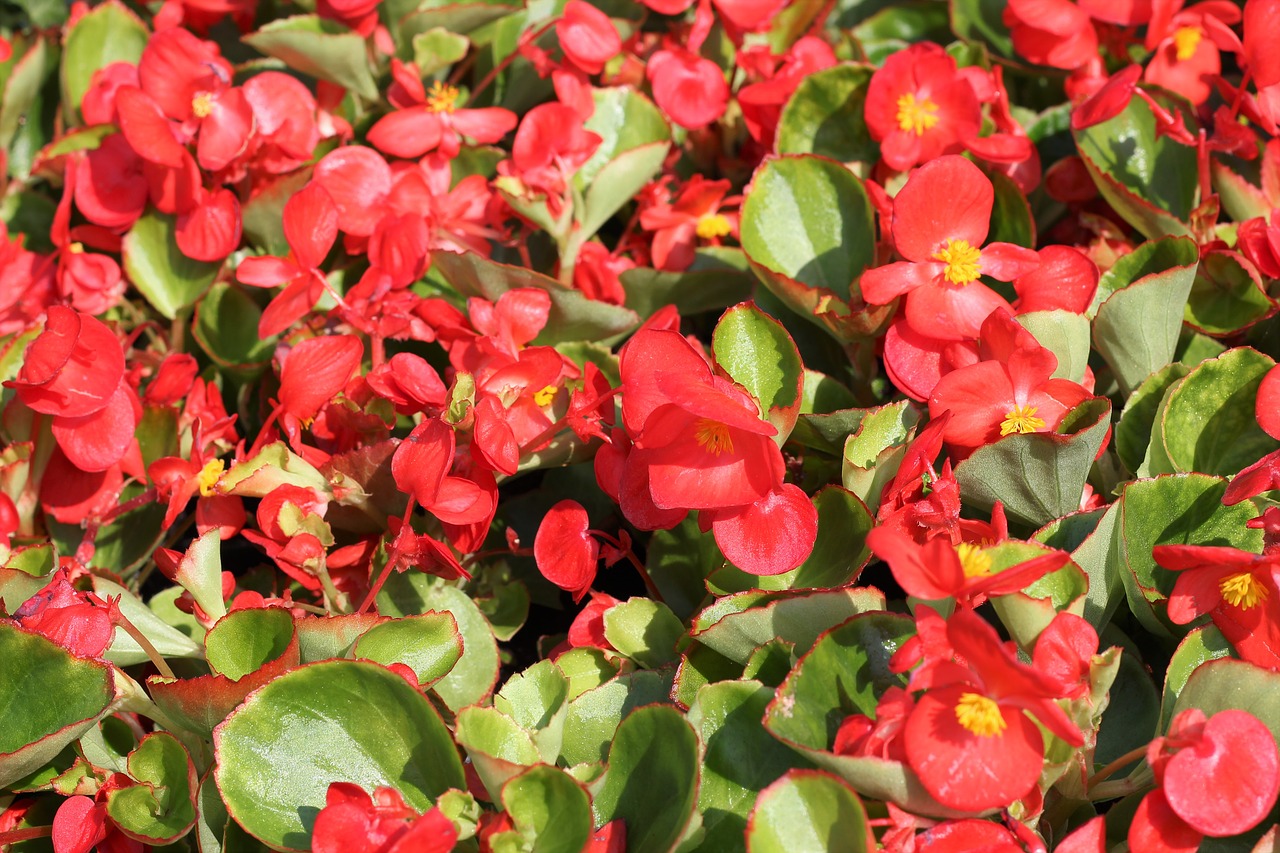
pixel 96 442
pixel 358 180
pixel 771 536
pixel 566 554
pixel 146 128
pixel 315 371
pixel 310 224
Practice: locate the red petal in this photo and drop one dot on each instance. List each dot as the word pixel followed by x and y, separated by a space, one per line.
pixel 1261 23
pixel 588 36
pixel 1066 279
pixel 1226 784
pixel 566 554
pixel 945 199
pixel 422 460
pixel 690 89
pixel 485 126
pixel 98 441
pixel 1005 261
pixel 930 571
pixel 111 190
pixel 78 825
pixel 646 354
pixel 210 231
pixel 72 368
pixel 950 313
pixel 881 285
pixel 1268 403
pixel 771 536
pixel 146 128
pixel 358 181
pixel 407 133
pixel 315 371
pixel 1155 827
pixel 267 271
pixel 310 224
pixel 224 133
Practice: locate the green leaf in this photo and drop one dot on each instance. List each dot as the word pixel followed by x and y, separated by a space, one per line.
pixel 1208 422
pixel 807 227
pixel 1011 219
pixel 437 49
pixel 244 640
pixel 585 669
pixel 108 33
pixel 1038 476
pixel 319 47
pixel 124 650
pixel 1148 179
pixel 594 717
pixel 1134 431
pixel 1132 714
pixel 1066 335
pixel 263 216
pixel 1029 611
pixel 429 644
pixel 652 780
pixel 498 747
pixel 1227 295
pixel 1137 324
pixel 163 808
pixel 741 757
pixel 1220 685
pixel 549 809
pixel 168 279
pixel 758 353
pixel 537 699
pixel 48 697
pixel 456 17
pixel 624 119
pixel 797 617
pixel 473 677
pixel 21 104
pixel 825 116
pixel 644 630
pixel 872 454
pixel 332 636
pixel 982 21
pixel 808 810
pixel 719 277
pixel 336 721
pixel 573 316
pixel 227 328
pixel 1203 644
pixel 617 182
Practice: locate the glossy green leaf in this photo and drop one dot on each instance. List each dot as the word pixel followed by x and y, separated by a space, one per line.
pixel 498 747
pixel 537 699
pixel 227 328
pixel 1134 430
pixel 21 104
pixel 429 644
pixel 163 808
pixel 982 21
pixel 336 721
pixel 719 277
pixel 1203 644
pixel 1132 714
pixel 1148 179
pixel 1028 612
pixel 438 48
pixel 1038 476
pixel 1011 219
pixel 243 640
pixel 758 353
pixel 652 779
pixel 168 279
pixel 108 33
pixel 594 717
pixel 624 119
pixel 49 699
pixel 741 757
pixel 825 116
pixel 1219 685
pixel 644 630
pixel 617 182
pixel 872 454
pixel 1066 335
pixel 549 809
pixel 322 48
pixel 1208 422
pixel 332 636
pixel 809 810
pixel 1227 295
pixel 124 650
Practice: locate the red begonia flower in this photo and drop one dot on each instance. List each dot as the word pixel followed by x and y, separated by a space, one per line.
pixel 68 617
pixel 72 368
pixel 695 214
pixel 762 102
pixel 940 222
pixel 550 146
pixel 773 535
pixel 1261 23
pixel 1057 33
pixel 1267 406
pixel 587 628
pixel 1066 280
pixel 565 551
pixel 358 181
pixel 211 230
pixel 964 836
pixel 587 36
pixel 111 190
pixel 354 822
pixel 1064 652
pixel 1155 826
pixel 690 89
pixel 428 120
pixel 918 107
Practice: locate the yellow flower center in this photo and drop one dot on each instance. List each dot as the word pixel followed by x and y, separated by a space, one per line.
pixel 1021 419
pixel 545 396
pixel 916 116
pixel 713 435
pixel 209 476
pixel 1242 590
pixel 974 561
pixel 1185 41
pixel 962 260
pixel 980 715
pixel 76 248
pixel 713 225
pixel 442 98
pixel 202 104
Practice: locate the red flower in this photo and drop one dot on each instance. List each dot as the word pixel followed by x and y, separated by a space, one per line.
pixel 940 222
pixel 550 146
pixel 75 620
pixel 353 822
pixel 1057 33
pixel 587 36
pixel 694 215
pixel 426 120
pixel 566 552
pixel 1065 280
pixel 690 89
pixel 762 102
pixel 1261 22
pixel 919 107
pixel 1187 47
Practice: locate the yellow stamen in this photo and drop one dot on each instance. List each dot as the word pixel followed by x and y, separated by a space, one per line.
pixel 202 104
pixel 713 435
pixel 76 248
pixel 963 261
pixel 713 225
pixel 980 715
pixel 916 116
pixel 209 476
pixel 1242 590
pixel 1185 42
pixel 1022 420
pixel 442 98
pixel 545 396
pixel 974 561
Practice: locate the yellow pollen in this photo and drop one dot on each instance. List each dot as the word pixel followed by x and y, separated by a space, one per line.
pixel 916 116
pixel 974 561
pixel 442 98
pixel 1021 419
pixel 545 396
pixel 980 715
pixel 1185 42
pixel 209 476
pixel 76 248
pixel 202 104
pixel 713 435
pixel 962 261
pixel 713 225
pixel 1242 590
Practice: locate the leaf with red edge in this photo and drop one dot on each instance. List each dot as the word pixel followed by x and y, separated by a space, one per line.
pixel 758 353
pixel 808 810
pixel 315 371
pixel 566 554
pixel 162 807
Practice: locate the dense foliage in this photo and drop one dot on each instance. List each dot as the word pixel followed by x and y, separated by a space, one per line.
pixel 657 426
